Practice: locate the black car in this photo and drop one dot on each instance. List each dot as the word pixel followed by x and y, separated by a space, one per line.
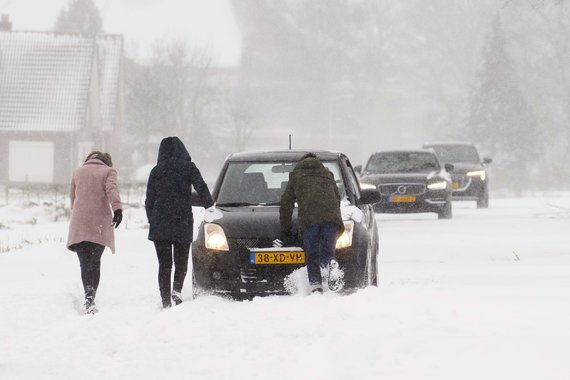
pixel 470 174
pixel 409 181
pixel 234 253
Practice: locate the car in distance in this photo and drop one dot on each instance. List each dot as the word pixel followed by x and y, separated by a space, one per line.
pixel 233 253
pixel 409 181
pixel 470 177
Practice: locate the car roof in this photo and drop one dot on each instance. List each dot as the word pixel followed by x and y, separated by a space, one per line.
pixel 448 143
pixel 282 155
pixel 405 151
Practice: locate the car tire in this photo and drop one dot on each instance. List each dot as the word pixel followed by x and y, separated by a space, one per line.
pixel 374 261
pixel 483 200
pixel 447 212
pixel 369 267
pixel 195 291
pixel 354 275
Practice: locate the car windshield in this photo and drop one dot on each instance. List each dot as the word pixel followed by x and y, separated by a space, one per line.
pixel 402 162
pixel 456 153
pixel 262 183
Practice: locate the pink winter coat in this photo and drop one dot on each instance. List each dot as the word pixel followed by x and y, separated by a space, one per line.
pixel 94 195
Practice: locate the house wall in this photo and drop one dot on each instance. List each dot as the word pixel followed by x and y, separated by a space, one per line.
pixel 64 154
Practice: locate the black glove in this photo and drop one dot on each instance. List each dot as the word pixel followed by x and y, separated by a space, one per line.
pixel 117 217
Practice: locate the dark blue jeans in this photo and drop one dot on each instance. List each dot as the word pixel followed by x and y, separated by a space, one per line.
pixel 319 242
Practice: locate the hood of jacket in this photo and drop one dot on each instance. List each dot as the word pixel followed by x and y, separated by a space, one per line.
pixel 309 163
pixel 172 148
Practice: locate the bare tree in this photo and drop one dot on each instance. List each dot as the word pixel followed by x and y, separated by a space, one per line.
pixel 81 16
pixel 242 127
pixel 170 95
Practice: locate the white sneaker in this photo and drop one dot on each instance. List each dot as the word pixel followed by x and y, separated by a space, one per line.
pixel 335 276
pixel 316 288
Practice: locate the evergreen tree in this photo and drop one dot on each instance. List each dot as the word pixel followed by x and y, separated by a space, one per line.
pixel 81 16
pixel 500 119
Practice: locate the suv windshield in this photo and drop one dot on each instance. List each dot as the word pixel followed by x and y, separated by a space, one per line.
pixel 402 162
pixel 262 183
pixel 456 153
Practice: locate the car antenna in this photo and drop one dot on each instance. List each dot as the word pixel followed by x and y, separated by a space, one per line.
pixel 289 141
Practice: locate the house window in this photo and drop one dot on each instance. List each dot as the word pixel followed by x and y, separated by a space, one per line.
pixel 31 161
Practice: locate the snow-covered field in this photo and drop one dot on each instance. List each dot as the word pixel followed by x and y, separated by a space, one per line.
pixel 485 295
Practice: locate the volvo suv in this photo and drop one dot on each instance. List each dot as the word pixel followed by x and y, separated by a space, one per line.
pixel 409 181
pixel 470 177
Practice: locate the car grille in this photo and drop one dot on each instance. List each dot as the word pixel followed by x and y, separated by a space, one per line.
pixel 249 274
pixel 462 182
pixel 402 189
pixel 243 244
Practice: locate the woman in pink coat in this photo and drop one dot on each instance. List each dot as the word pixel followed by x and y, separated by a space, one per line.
pixel 94 194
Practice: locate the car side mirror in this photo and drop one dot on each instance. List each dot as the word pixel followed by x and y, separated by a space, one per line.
pixel 487 160
pixel 358 169
pixel 195 200
pixel 369 196
pixel 449 167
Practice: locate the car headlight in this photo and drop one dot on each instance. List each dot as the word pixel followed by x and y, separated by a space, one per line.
pixel 477 173
pixel 441 185
pixel 345 240
pixel 215 237
pixel 364 185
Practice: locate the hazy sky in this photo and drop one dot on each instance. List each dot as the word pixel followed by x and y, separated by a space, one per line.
pixel 204 23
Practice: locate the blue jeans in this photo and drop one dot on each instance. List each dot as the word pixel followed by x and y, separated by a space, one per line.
pixel 319 242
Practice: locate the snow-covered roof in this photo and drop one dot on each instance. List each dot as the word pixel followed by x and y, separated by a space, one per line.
pixel 45 79
pixel 110 52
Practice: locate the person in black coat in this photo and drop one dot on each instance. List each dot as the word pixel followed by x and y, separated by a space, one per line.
pixel 169 214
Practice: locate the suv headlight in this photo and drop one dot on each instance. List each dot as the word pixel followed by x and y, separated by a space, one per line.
pixel 345 240
pixel 441 185
pixel 477 173
pixel 215 238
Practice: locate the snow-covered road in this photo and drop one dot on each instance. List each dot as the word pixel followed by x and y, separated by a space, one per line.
pixel 485 295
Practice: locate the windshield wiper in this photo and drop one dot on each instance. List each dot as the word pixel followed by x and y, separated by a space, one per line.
pixel 236 204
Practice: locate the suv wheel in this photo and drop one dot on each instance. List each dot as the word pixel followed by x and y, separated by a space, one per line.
pixel 483 200
pixel 446 212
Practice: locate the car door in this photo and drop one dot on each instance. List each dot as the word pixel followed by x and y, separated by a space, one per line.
pixel 354 194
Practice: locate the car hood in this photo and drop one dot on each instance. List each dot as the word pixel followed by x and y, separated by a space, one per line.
pixel 464 167
pixel 259 222
pixel 263 221
pixel 379 179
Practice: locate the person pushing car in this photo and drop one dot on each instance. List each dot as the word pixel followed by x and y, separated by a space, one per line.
pixel 313 187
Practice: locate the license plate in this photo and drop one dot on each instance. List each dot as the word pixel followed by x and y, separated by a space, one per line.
pixel 261 257
pixel 455 185
pixel 402 198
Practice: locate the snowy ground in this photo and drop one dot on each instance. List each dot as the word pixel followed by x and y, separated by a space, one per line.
pixel 483 296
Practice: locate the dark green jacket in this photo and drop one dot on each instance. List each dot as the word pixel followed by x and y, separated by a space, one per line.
pixel 312 186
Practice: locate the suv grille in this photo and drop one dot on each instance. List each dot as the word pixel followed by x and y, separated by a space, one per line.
pixel 402 189
pixel 461 182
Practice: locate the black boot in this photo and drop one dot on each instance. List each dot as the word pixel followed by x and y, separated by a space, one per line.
pixel 176 297
pixel 90 307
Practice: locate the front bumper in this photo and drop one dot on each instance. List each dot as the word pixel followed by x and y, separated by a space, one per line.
pixel 468 188
pixel 423 203
pixel 231 272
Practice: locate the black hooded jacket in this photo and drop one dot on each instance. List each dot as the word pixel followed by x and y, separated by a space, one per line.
pixel 312 186
pixel 167 203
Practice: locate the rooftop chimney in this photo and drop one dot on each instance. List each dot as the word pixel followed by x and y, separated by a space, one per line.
pixel 5 23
